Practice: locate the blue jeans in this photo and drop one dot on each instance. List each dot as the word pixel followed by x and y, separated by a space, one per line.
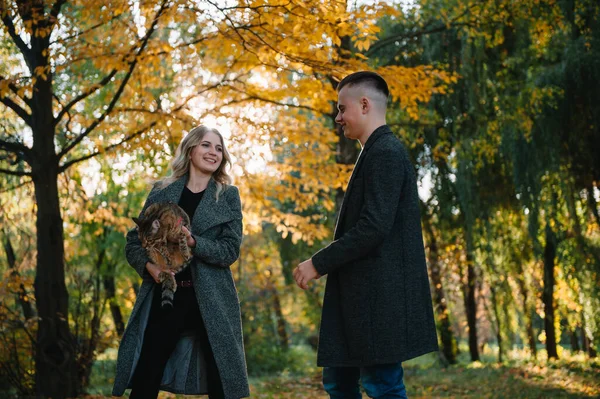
pixel 383 381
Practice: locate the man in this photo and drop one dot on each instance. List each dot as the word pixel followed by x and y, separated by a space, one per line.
pixel 377 308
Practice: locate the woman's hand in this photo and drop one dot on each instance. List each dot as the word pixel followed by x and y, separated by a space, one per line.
pixel 191 242
pixel 154 271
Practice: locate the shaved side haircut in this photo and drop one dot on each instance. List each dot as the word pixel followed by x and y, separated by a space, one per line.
pixel 372 83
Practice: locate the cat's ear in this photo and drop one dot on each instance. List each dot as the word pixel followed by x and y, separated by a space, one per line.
pixel 136 221
pixel 155 226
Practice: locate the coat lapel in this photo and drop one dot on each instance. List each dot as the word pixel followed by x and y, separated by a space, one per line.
pixel 379 132
pixel 211 212
pixel 173 191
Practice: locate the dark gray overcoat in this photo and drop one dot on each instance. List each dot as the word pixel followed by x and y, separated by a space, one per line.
pixel 377 306
pixel 217 228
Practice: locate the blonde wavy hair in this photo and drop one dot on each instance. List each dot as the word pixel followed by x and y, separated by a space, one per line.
pixel 180 165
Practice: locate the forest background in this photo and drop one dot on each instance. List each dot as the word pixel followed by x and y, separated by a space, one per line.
pixel 496 101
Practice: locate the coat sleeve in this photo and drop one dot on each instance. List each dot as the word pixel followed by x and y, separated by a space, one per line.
pixel 385 171
pixel 225 249
pixel 136 255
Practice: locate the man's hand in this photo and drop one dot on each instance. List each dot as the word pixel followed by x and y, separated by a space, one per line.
pixel 154 271
pixel 191 242
pixel 305 272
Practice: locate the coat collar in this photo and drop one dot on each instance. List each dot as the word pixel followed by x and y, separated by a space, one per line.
pixel 209 212
pixel 376 135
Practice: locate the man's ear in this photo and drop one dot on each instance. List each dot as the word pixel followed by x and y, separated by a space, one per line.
pixel 365 105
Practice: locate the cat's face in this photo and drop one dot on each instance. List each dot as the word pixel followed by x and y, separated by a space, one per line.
pixel 148 230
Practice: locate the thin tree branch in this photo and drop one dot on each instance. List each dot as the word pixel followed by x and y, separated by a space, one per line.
pixel 14 148
pixel 83 32
pixel 425 31
pixel 117 95
pixel 6 190
pixel 21 45
pixel 139 132
pixel 91 90
pixel 250 97
pixel 55 11
pixel 14 172
pixel 17 109
pixel 111 147
pixel 13 87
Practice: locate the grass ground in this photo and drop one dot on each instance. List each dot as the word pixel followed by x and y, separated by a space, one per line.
pixel 570 377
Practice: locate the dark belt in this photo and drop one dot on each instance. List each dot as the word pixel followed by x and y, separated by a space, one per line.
pixel 185 283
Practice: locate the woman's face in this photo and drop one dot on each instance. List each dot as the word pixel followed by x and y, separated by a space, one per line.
pixel 207 156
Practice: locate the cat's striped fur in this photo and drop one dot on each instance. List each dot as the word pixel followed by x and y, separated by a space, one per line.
pixel 160 232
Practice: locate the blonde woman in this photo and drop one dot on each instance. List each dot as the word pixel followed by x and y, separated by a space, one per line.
pixel 196 346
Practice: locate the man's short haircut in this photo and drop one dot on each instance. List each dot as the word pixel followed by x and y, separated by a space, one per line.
pixel 367 78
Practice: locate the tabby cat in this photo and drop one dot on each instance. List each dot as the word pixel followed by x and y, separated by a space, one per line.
pixel 160 231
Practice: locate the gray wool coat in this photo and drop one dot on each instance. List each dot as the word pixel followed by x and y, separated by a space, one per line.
pixel 377 306
pixel 217 229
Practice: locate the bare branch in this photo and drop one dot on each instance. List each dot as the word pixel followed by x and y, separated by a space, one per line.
pixel 425 30
pixel 91 90
pixel 83 32
pixel 15 89
pixel 14 172
pixel 250 97
pixel 55 11
pixel 119 91
pixel 6 190
pixel 252 8
pixel 111 147
pixel 21 45
pixel 17 109
pixel 15 148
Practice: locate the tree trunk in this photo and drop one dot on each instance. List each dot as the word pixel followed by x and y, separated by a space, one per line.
pixel 288 260
pixel 115 310
pixel 284 340
pixel 498 324
pixel 588 344
pixel 548 293
pixel 584 248
pixel 56 372
pixel 592 205
pixel 439 298
pixel 528 315
pixel 55 369
pixel 89 343
pixel 574 341
pixel 469 298
pixel 281 331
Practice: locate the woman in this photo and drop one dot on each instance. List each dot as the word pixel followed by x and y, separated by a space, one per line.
pixel 196 346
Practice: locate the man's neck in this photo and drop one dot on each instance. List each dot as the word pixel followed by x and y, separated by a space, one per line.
pixel 369 129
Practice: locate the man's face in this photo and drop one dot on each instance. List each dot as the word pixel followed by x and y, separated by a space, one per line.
pixel 350 113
